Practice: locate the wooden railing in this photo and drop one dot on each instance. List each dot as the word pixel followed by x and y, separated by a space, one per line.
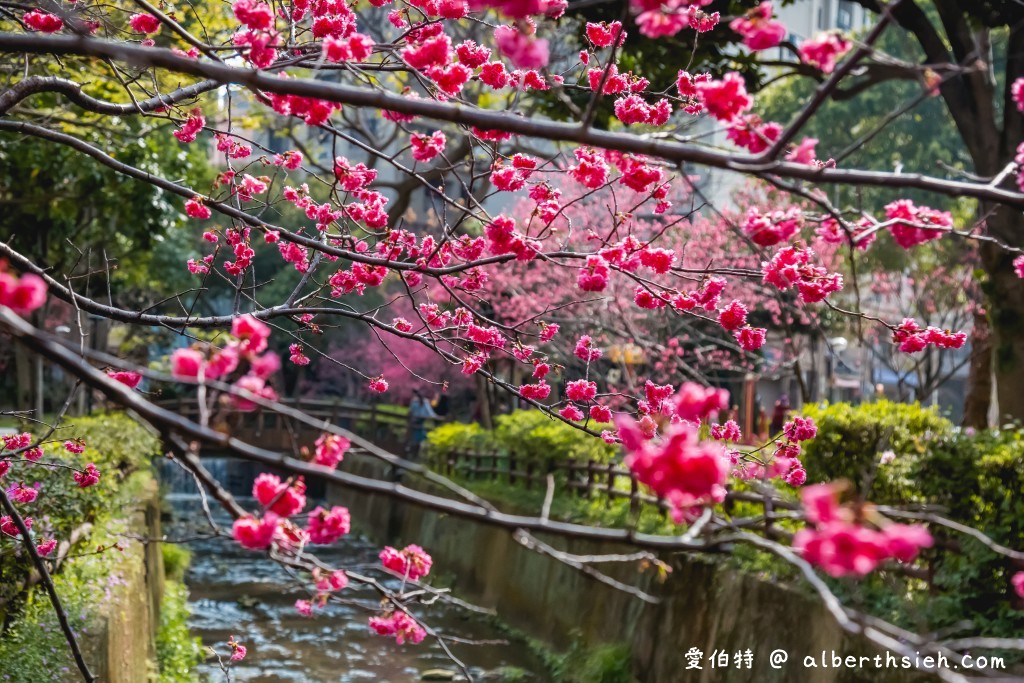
pixel 591 479
pixel 383 425
pixel 609 481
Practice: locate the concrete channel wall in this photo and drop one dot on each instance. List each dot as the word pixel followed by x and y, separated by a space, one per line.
pixel 704 605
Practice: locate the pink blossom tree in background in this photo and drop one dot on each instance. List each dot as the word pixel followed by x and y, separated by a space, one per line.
pixel 476 203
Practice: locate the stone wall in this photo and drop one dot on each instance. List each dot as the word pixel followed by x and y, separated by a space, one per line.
pixel 703 603
pixel 122 646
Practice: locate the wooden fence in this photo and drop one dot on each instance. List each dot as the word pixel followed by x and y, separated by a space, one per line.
pixel 389 429
pixel 385 426
pixel 590 479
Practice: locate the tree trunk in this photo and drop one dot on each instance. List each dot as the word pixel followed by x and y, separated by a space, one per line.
pixel 1004 292
pixel 483 401
pixel 979 377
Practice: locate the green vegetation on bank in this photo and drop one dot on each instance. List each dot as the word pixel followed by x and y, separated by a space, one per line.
pixel 905 454
pixel 30 638
pixel 177 650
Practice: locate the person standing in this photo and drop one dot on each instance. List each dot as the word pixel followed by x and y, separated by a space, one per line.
pixel 419 412
pixel 779 414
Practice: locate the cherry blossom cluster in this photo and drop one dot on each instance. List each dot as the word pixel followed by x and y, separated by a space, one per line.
pixel 791 267
pixel 21 450
pixel 911 338
pixel 248 344
pixel 853 540
pixel 22 294
pixel 411 562
pixel 680 468
pixel 783 463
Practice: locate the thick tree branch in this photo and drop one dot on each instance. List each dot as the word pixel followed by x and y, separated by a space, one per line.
pixel 44 576
pixel 34 85
pixel 676 152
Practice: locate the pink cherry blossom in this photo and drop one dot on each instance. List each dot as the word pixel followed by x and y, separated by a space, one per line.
pixel 733 316
pixel 758 29
pixel 144 23
pixel 19 493
pixel 125 377
pixel 411 562
pixel 37 20
pixel 426 147
pixel 525 52
pixel 279 497
pixel 238 651
pixel 186 363
pixel 46 547
pixel 87 478
pixel 681 469
pixel 400 625
pixel 251 332
pixel 1017 581
pixel 9 528
pixel 330 450
pixel 327 526
pixel 724 99
pixel 823 50
pixel 22 295
pixel 253 533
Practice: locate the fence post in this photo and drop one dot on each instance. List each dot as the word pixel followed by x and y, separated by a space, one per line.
pixel 373 423
pixel 590 478
pixel 634 498
pixel 494 464
pixel 611 484
pixel 511 467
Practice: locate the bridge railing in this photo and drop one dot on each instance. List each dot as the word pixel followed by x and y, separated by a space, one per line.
pixel 386 426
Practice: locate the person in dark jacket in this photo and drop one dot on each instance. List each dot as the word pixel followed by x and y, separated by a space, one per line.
pixel 779 414
pixel 419 412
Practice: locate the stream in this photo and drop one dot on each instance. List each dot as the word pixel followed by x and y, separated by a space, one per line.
pixel 241 593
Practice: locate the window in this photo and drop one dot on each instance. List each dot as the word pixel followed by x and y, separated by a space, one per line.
pixel 844 15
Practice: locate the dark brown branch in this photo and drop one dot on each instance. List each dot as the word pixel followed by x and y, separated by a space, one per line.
pixel 676 152
pixel 34 85
pixel 44 576
pixel 167 420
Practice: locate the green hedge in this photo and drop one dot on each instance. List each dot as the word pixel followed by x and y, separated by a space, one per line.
pixel 976 479
pixel 851 440
pixel 979 480
pixel 529 434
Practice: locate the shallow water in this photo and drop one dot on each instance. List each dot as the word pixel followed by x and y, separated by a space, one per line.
pixel 241 593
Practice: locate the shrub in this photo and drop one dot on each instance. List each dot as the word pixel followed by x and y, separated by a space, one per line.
pixel 609 663
pixel 459 436
pixel 851 439
pixel 176 560
pixel 177 651
pixel 976 479
pixel 530 434
pixel 979 481
pixel 533 434
pixel 118 446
